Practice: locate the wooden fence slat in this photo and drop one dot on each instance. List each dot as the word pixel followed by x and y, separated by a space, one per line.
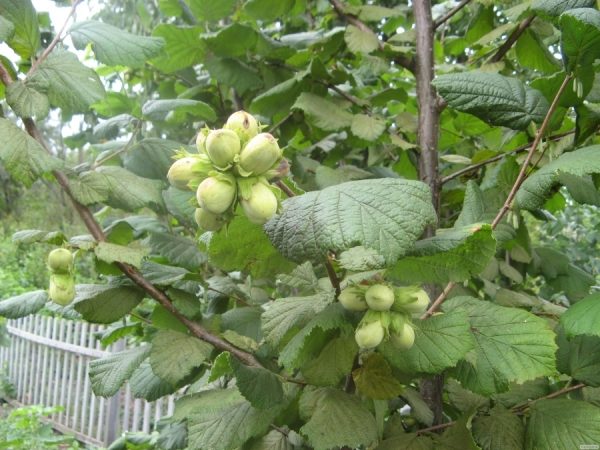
pixel 47 361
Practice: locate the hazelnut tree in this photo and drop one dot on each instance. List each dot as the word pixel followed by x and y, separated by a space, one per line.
pixel 312 217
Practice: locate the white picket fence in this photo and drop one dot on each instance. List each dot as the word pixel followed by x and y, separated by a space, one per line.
pixel 47 362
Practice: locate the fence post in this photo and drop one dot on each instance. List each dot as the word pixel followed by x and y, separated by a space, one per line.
pixel 114 405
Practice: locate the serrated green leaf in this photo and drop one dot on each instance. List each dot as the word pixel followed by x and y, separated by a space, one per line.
pixel 261 387
pixel 494 98
pixel 179 250
pixel 222 419
pixel 375 379
pixel 71 85
pixel 324 113
pixel 108 374
pixel 145 384
pixel 244 246
pixel 537 187
pixel 313 337
pixel 114 46
pixel 182 49
pixel 408 441
pixel 358 259
pixel 532 53
pixel 302 277
pixel 174 355
pixel 367 127
pixel 23 305
pixel 119 188
pixel 440 342
pixel 336 419
pixel 510 345
pixel 463 399
pixel 562 424
pixel 221 366
pixel 162 274
pixel 386 215
pixel 500 430
pixel 232 72
pixel 109 253
pixel 234 40
pixel 458 436
pixel 181 204
pixel 31 236
pixel 583 317
pixel 273 440
pixel 333 363
pixel 580 38
pixel 361 40
pixel 473 209
pixel 22 156
pixel 160 109
pixel 104 303
pixel 25 38
pixel 326 176
pixel 554 8
pixel 579 357
pixel 151 157
pixel 28 100
pixel 452 255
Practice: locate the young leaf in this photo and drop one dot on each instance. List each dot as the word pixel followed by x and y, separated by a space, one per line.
pixel 583 317
pixel 108 374
pixel 24 158
pixel 510 345
pixel 361 40
pixel 367 127
pixel 440 342
pixel 537 187
pixel 23 305
pixel 114 46
pixel 452 255
pixel 71 85
pixel 336 419
pixel 174 355
pixel 494 98
pixel 261 387
pixel 104 303
pixel 244 246
pixel 182 47
pixel 386 215
pixel 562 424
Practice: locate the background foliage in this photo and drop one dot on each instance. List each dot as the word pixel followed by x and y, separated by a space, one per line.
pixel 265 352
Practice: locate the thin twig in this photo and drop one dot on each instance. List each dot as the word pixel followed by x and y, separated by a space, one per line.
pixel 517 184
pixel 131 272
pixel 514 36
pixel 281 122
pixel 516 409
pixel 520 149
pixel 284 187
pixel 126 147
pixel 54 41
pixel 335 281
pixel 437 23
pixel 538 138
pixel 350 98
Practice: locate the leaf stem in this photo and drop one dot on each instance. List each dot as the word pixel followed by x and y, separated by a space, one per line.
pixel 510 41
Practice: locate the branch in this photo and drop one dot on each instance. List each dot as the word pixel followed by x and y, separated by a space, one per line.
pixel 401 60
pixel 514 36
pixel 517 184
pixel 520 149
pixel 131 272
pixel 55 41
pixel 450 14
pixel 516 409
